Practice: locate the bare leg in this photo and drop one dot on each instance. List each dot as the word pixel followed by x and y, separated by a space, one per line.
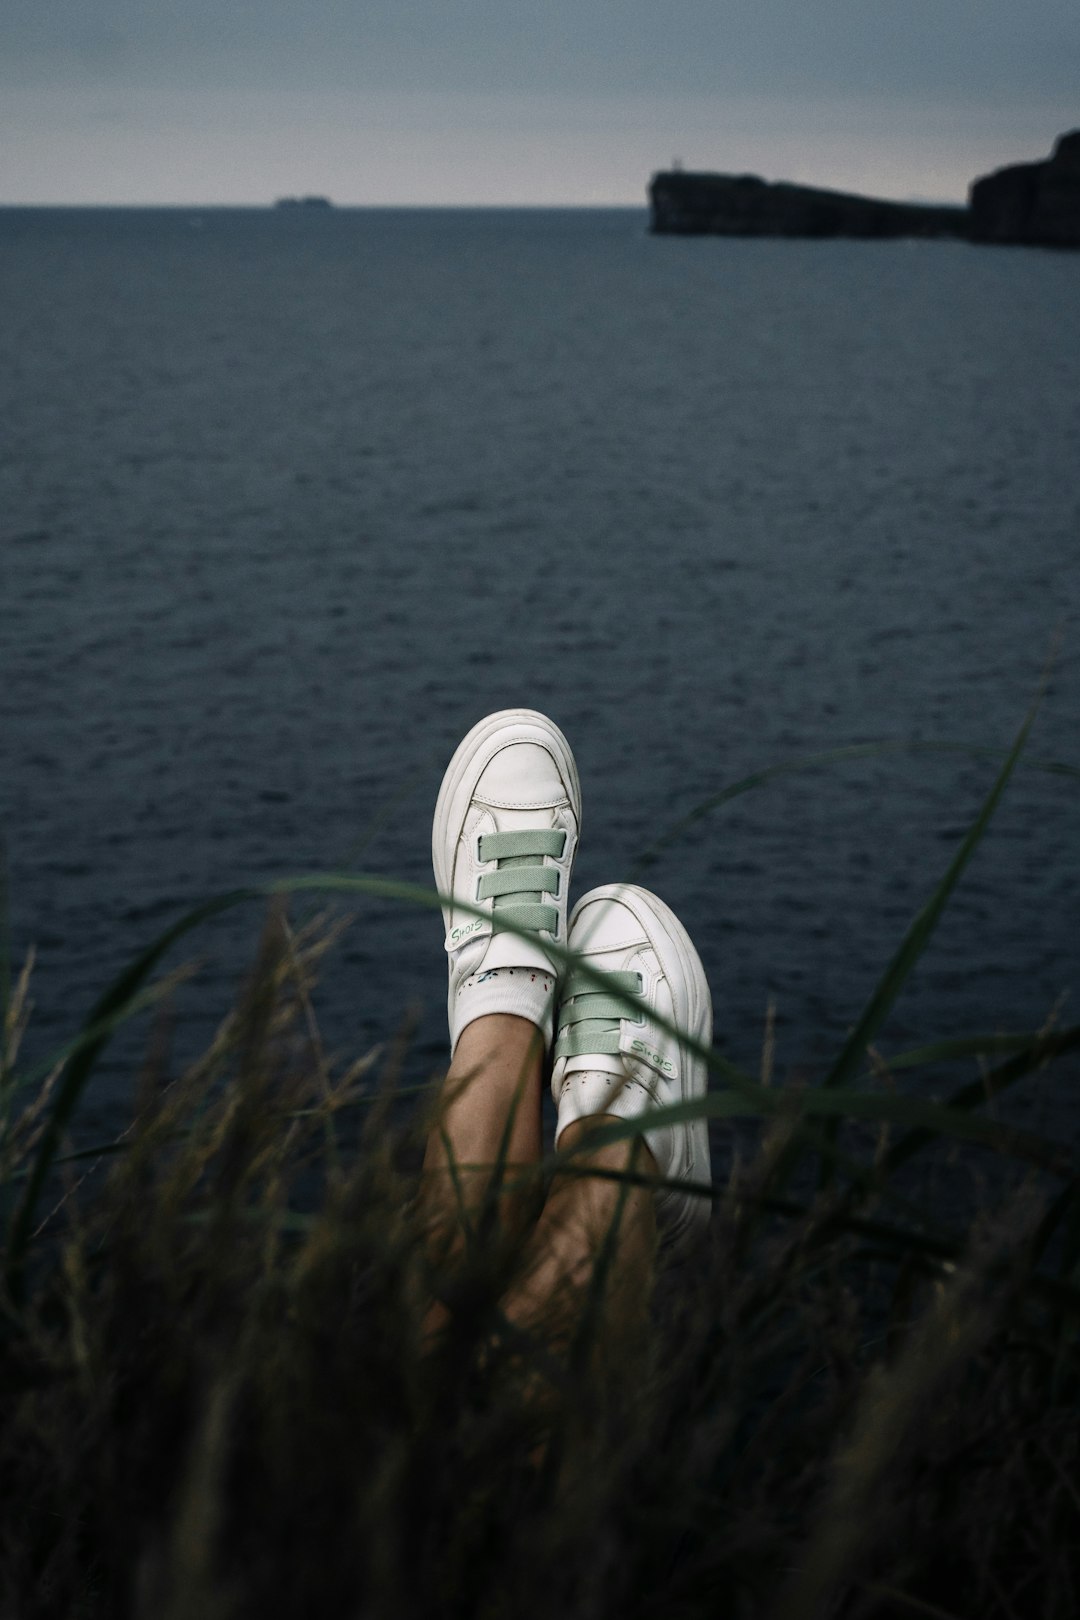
pixel 488 1115
pixel 585 1287
pixel 503 841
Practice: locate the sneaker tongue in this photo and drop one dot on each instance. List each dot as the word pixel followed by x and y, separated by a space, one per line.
pixel 512 951
pixel 595 1063
pixel 522 820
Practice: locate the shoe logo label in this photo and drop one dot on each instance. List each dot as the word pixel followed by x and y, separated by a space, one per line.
pixel 459 935
pixel 651 1055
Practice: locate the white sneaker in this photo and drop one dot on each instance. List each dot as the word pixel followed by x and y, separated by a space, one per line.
pixel 609 1060
pixel 505 833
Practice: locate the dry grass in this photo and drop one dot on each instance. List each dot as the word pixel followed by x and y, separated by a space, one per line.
pixel 217 1400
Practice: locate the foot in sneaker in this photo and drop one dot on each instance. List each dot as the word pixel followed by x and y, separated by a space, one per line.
pixel 612 1060
pixel 504 837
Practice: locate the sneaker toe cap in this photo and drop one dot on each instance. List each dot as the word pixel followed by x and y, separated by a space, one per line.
pixel 521 776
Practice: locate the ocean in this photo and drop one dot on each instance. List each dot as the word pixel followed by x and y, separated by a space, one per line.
pixel 289 500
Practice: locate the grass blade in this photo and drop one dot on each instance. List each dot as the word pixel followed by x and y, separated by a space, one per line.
pixel 918 935
pixel 828 756
pixel 968 1046
pixel 5 970
pixel 121 999
pixel 1039 1049
pixel 880 1106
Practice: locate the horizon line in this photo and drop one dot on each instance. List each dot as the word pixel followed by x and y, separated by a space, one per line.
pixel 334 207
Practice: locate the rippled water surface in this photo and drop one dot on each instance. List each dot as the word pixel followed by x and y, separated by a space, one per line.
pixel 287 503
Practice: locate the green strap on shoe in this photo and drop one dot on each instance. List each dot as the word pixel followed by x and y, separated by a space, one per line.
pixel 527 841
pixel 519 882
pixel 544 879
pixel 589 1017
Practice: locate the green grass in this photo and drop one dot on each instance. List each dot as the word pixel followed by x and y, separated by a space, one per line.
pixel 217 1399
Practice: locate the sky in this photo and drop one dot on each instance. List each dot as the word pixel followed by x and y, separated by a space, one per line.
pixel 505 102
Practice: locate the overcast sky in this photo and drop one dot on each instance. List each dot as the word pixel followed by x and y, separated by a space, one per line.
pixel 499 101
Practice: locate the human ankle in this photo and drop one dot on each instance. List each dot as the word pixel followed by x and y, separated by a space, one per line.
pixel 520 993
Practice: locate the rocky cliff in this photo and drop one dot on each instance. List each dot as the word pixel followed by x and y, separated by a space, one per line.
pixel 1036 203
pixel 744 205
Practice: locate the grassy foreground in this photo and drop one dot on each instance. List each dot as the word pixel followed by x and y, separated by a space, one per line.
pixel 216 1399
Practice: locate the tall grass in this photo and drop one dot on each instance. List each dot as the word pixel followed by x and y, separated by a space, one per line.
pixel 218 1397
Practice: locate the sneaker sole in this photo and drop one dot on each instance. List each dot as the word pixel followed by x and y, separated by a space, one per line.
pixel 473 754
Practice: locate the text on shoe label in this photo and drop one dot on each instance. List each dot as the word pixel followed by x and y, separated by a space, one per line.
pixel 466 931
pixel 652 1056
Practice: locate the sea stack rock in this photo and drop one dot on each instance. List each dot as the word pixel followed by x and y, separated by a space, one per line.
pixel 695 204
pixel 1037 204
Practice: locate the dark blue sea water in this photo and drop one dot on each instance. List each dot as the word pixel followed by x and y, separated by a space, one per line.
pixel 287 503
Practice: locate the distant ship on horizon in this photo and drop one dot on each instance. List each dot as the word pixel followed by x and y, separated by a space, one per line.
pixel 303 202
